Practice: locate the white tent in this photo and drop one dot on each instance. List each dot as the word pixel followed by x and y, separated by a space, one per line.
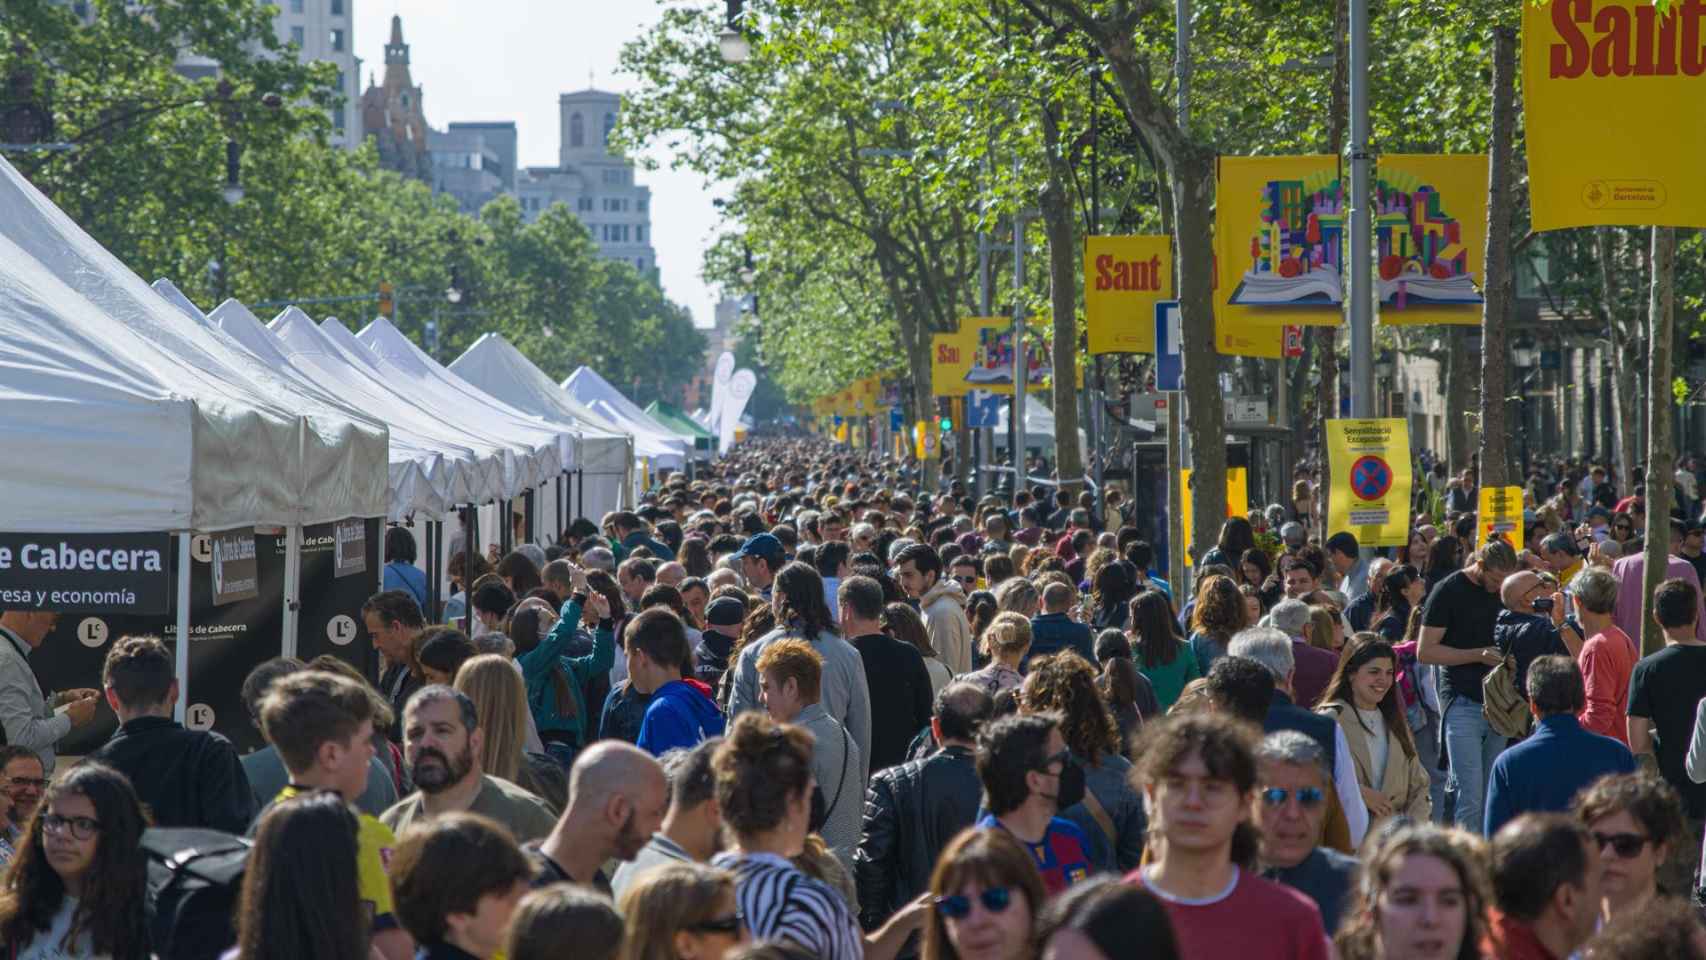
pixel 473 466
pixel 130 417
pixel 495 366
pixel 593 391
pixel 1039 426
pixel 498 418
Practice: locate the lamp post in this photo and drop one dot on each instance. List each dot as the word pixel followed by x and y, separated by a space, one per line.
pixel 731 41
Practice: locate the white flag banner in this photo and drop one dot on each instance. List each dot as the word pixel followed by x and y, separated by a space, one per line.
pixel 724 371
pixel 741 386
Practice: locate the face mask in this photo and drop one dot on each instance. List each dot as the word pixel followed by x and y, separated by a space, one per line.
pixel 1071 786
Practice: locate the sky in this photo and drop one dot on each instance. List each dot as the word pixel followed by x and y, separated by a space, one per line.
pixel 508 60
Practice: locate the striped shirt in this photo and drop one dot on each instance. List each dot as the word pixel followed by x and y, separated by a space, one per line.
pixel 781 903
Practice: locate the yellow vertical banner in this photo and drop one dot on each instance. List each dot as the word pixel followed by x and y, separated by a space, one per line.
pixel 1279 227
pixel 1500 515
pixel 1614 104
pixel 953 354
pixel 1237 500
pixel 1369 480
pixel 1123 279
pixel 1430 235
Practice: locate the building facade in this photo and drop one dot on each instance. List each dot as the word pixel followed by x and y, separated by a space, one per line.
pixel 393 115
pixel 324 30
pixel 474 162
pixel 594 181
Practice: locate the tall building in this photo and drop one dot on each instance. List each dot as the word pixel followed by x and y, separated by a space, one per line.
pixel 392 113
pixel 474 162
pixel 594 182
pixel 324 30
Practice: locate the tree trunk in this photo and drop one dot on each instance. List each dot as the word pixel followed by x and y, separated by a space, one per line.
pixel 1495 315
pixel 1622 373
pixel 1661 455
pixel 1193 204
pixel 1055 204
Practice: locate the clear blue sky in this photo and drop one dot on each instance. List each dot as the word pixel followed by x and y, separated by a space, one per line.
pixel 508 60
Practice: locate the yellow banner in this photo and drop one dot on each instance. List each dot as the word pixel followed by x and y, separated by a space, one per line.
pixel 1614 101
pixel 1500 515
pixel 952 355
pixel 1368 493
pixel 1123 279
pixel 865 393
pixel 1430 235
pixel 1237 500
pixel 1279 226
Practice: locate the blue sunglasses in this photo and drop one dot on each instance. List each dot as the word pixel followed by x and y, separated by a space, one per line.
pixel 958 907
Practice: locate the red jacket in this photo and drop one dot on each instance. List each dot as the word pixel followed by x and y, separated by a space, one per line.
pixel 1511 939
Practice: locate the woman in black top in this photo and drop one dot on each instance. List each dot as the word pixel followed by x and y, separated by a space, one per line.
pixel 1401 592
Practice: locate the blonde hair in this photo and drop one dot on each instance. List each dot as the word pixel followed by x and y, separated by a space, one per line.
pixel 500 700
pixel 664 900
pixel 1017 595
pixel 1009 635
pixel 1323 626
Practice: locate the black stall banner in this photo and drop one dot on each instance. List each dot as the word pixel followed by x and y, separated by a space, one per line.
pixel 350 556
pixel 329 619
pixel 234 574
pixel 121 573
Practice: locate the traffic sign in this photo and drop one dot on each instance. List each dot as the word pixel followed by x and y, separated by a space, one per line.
pixel 1169 360
pixel 1371 477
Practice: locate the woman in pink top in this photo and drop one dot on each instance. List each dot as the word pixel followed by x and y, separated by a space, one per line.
pixel 1607 658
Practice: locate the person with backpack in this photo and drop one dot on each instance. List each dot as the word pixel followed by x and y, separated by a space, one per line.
pixel 300 897
pixel 75 886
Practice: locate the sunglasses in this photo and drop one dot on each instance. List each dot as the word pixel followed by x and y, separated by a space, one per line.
pixel 730 924
pixel 958 907
pixel 1306 796
pixel 1625 845
pixel 1063 757
pixel 969 579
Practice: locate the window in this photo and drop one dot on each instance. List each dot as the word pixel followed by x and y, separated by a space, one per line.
pixel 297 37
pixel 609 125
pixel 341 86
pixel 640 234
pixel 640 263
pixel 584 204
pixel 640 204
pixel 296 6
pixel 337 41
pixel 337 8
pixel 577 131
pixel 338 119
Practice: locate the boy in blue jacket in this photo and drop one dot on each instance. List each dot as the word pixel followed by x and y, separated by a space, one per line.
pixel 660 663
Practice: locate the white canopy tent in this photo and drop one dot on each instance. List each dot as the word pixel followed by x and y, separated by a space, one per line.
pixel 1039 426
pixel 495 366
pixel 593 391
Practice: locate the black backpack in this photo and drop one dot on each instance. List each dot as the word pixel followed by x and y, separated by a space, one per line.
pixel 195 879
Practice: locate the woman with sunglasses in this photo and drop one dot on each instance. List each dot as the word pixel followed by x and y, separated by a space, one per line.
pixel 75 887
pixel 681 911
pixel 1424 896
pixel 986 892
pixel 1634 818
pixel 1622 527
pixel 1363 697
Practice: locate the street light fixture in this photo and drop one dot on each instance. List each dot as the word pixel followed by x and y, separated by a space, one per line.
pixel 233 190
pixel 731 42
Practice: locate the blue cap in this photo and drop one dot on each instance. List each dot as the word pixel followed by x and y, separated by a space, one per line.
pixel 763 545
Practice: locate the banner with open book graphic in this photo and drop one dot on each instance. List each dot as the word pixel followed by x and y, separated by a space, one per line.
pixel 1282 228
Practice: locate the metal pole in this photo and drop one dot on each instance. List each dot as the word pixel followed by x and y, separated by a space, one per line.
pixel 1360 250
pixel 292 587
pixel 1021 368
pixel 1175 400
pixel 181 653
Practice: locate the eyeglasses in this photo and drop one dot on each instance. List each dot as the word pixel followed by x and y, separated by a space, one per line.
pixel 1063 757
pixel 730 924
pixel 1625 845
pixel 80 827
pixel 958 906
pixel 1306 796
pixel 34 783
pixel 971 579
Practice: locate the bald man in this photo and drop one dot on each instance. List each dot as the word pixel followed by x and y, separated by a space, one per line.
pixel 1528 626
pixel 671 574
pixel 617 799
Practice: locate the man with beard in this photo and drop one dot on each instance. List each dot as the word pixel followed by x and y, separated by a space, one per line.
pixel 442 742
pixel 692 830
pixel 618 796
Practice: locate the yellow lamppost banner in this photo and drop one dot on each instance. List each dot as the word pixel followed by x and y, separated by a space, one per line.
pixel 1279 227
pixel 1368 493
pixel 1237 500
pixel 952 355
pixel 1501 515
pixel 1430 237
pixel 1614 102
pixel 1123 279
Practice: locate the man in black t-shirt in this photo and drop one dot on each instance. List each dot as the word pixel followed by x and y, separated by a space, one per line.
pixel 901 693
pixel 1665 690
pixel 1457 634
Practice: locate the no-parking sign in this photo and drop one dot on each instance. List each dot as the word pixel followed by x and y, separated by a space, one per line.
pixel 1369 490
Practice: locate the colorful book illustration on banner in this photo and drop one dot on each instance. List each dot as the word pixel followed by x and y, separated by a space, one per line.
pixel 993 363
pixel 1296 254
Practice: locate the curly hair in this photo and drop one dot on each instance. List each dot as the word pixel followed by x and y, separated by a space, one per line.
pixel 761 766
pixel 109 912
pixel 1219 612
pixel 1066 684
pixel 1465 854
pixel 1042 560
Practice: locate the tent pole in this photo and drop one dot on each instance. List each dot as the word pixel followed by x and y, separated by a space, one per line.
pixel 182 652
pixel 562 508
pixel 292 587
pixel 580 510
pixel 431 612
pixel 471 527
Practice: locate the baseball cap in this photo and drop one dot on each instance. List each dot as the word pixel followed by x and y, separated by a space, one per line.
pixel 725 612
pixel 763 545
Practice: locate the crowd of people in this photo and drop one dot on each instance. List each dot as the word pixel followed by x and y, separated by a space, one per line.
pixel 798 708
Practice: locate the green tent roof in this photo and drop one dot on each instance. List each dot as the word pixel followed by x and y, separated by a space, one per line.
pixel 674 419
